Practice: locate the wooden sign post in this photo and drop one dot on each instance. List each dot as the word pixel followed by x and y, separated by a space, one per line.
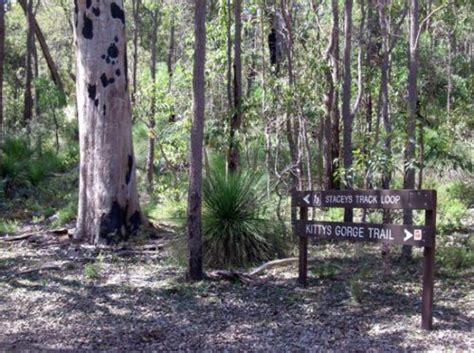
pixel 406 234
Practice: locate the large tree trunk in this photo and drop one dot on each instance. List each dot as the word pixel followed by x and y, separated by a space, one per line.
pixel 28 97
pixel 236 121
pixel 151 121
pixel 195 270
pixel 409 176
pixel 109 209
pixel 45 49
pixel 2 60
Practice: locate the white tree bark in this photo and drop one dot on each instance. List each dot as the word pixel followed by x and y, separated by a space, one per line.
pixel 109 209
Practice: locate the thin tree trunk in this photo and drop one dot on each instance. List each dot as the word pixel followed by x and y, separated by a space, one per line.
pixel 45 49
pixel 2 61
pixel 28 97
pixel 151 121
pixel 346 104
pixel 136 24
pixel 409 175
pixel 195 270
pixel 384 99
pixel 229 55
pixel 236 121
pixel 108 209
pixel 170 63
pixel 331 122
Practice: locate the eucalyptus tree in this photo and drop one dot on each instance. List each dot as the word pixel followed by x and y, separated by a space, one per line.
pixel 108 200
pixel 194 223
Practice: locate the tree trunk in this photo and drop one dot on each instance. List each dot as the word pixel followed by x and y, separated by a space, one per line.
pixel 109 210
pixel 45 49
pixel 151 121
pixel 409 175
pixel 346 104
pixel 229 55
pixel 195 270
pixel 331 122
pixel 28 97
pixel 236 121
pixel 136 23
pixel 2 60
pixel 170 63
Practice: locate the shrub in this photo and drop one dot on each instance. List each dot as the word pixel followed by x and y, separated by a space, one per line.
pixel 235 230
pixel 92 271
pixel 22 167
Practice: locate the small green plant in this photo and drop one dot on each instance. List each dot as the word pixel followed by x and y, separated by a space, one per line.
pixel 236 232
pixel 358 284
pixel 65 214
pixel 453 259
pixel 92 271
pixel 8 226
pixel 325 271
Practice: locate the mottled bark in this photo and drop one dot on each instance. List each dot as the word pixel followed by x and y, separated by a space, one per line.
pixel 236 120
pixel 409 175
pixel 108 200
pixel 195 270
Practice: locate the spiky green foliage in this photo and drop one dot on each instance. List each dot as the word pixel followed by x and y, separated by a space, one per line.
pixel 236 232
pixel 22 167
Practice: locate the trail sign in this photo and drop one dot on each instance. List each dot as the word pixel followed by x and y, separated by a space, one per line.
pixel 406 234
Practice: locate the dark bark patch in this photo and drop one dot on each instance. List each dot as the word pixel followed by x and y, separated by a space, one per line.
pixel 116 39
pixel 96 11
pixel 96 102
pixel 104 80
pixel 135 221
pixel 113 225
pixel 129 169
pixel 117 12
pixel 125 71
pixel 113 51
pixel 117 72
pixel 88 3
pixel 104 109
pixel 88 28
pixel 111 80
pixel 92 91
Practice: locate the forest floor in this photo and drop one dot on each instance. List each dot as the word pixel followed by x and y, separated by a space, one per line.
pixel 55 296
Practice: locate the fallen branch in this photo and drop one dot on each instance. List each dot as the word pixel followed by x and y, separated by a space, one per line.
pixel 19 237
pixel 250 277
pixel 49 267
pixel 276 263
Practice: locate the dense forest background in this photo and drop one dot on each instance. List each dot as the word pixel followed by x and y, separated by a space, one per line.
pixel 306 94
pixel 231 106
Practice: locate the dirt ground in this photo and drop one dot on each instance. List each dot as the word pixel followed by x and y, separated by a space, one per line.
pixel 59 297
